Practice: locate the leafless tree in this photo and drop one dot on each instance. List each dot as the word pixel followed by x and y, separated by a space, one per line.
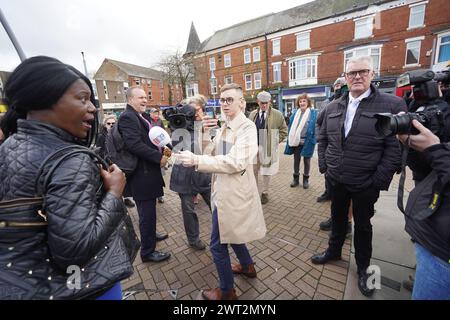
pixel 177 68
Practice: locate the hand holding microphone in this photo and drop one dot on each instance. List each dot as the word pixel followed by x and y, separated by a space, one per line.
pixel 160 138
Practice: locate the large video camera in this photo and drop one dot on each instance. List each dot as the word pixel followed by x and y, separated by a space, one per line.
pixel 180 117
pixel 425 91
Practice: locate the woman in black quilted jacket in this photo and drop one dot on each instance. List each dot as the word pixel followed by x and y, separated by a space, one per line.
pixel 80 253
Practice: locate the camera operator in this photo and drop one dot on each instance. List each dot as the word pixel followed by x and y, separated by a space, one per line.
pixel 426 100
pixel 430 231
pixel 186 181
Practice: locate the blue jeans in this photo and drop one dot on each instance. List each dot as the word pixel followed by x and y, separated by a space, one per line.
pixel 432 281
pixel 115 293
pixel 221 256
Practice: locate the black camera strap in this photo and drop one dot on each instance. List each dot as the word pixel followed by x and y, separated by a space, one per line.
pixel 401 185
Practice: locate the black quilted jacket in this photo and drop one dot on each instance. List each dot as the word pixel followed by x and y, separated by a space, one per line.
pixel 82 226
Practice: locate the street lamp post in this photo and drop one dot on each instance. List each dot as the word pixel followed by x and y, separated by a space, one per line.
pixel 12 37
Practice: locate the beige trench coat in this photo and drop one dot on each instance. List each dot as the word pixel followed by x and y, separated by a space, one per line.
pixel 234 191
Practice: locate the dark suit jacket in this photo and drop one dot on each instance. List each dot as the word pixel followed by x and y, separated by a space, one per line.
pixel 146 182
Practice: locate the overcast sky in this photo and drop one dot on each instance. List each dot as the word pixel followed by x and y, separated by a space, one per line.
pixel 134 31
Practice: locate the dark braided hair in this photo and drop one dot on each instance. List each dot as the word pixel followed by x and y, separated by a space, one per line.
pixel 37 84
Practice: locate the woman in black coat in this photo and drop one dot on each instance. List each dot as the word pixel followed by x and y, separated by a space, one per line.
pixel 80 252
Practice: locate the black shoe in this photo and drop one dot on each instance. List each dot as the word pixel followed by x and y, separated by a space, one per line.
pixel 362 284
pixel 156 256
pixel 264 198
pixel 129 203
pixel 324 197
pixel 161 237
pixel 160 200
pixel 198 245
pixel 324 257
pixel 325 225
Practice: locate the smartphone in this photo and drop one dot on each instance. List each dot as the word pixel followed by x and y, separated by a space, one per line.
pixel 210 112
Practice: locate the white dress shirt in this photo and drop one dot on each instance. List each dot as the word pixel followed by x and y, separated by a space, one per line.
pixel 353 104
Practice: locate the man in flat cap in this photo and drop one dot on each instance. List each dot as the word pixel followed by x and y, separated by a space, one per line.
pixel 272 130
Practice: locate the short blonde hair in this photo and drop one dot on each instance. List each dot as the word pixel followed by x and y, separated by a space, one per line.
pixel 231 86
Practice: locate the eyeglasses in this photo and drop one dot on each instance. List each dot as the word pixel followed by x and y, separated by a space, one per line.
pixel 264 102
pixel 362 73
pixel 228 100
pixel 110 123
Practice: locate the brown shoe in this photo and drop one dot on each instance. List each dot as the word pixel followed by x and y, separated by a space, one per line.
pixel 216 294
pixel 248 271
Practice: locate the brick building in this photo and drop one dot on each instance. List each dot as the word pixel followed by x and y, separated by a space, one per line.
pixel 304 49
pixel 113 78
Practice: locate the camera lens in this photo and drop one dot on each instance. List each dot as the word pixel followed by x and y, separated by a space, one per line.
pixel 386 125
pixel 403 123
pixel 178 121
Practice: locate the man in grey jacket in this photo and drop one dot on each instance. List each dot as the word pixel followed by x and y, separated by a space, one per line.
pixel 188 182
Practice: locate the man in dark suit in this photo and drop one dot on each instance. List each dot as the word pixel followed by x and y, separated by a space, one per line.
pixel 146 183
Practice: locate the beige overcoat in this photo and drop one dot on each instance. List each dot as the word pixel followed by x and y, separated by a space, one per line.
pixel 233 187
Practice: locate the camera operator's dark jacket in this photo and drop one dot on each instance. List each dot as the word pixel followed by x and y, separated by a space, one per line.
pixel 360 160
pixel 186 180
pixel 146 182
pixel 416 160
pixel 433 233
pixel 79 225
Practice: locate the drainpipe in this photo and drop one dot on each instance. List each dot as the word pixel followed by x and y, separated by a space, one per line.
pixel 267 60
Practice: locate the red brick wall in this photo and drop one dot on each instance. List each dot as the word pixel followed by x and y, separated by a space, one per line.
pixel 237 69
pixel 332 40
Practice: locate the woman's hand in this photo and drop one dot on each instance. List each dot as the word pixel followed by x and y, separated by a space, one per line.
pixel 114 180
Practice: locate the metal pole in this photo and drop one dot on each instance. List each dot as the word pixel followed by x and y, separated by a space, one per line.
pixel 12 36
pixel 84 63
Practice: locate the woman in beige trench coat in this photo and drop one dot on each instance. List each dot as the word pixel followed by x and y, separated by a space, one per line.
pixel 237 212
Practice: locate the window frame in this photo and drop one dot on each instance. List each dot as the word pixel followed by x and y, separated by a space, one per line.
pixel 276 64
pixel 298 39
pixel 359 22
pixel 278 40
pixel 248 88
pixel 212 64
pixel 191 87
pixel 256 49
pixel 408 42
pixel 257 81
pixel 225 79
pixel 213 84
pixel 296 67
pixel 247 53
pixel 439 44
pixel 105 90
pixel 227 57
pixel 369 48
pixel 413 7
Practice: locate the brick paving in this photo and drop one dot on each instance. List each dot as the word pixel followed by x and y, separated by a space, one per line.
pixel 282 257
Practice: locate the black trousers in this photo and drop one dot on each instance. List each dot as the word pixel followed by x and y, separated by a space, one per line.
pixel 363 211
pixel 147 225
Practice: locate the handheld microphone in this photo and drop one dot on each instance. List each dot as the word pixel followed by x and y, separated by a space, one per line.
pixel 160 138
